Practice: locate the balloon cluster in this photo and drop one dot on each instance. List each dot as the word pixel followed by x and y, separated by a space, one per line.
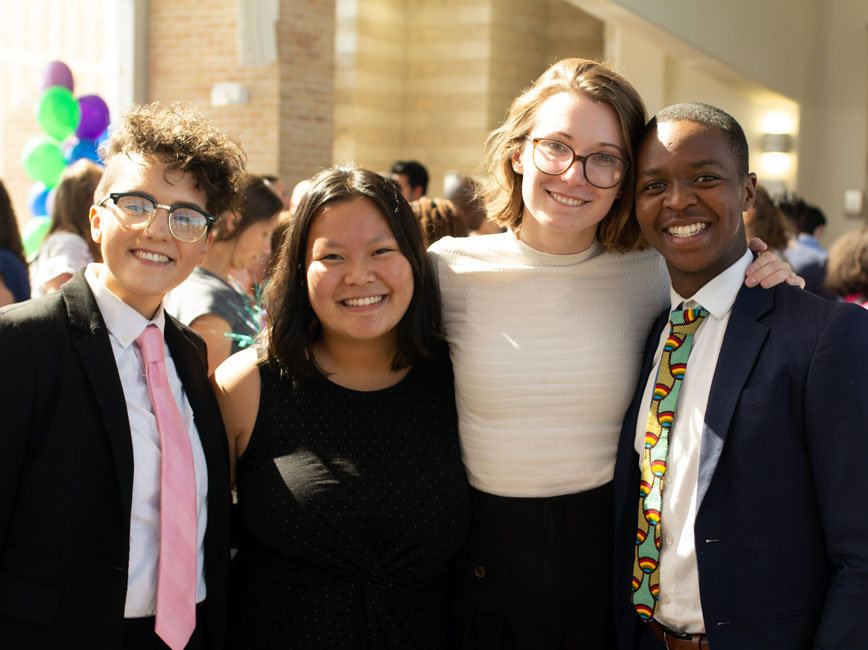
pixel 73 130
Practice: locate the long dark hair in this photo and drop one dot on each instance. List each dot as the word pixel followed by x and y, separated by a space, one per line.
pixel 10 236
pixel 292 325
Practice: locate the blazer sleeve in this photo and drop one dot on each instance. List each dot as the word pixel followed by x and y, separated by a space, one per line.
pixel 17 394
pixel 836 425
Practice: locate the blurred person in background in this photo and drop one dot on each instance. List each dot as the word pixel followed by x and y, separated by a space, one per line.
pixel 278 188
pixel 438 218
pixel 208 301
pixel 466 198
pixel 14 285
pixel 804 253
pixel 68 245
pixel 765 221
pixel 412 176
pixel 847 268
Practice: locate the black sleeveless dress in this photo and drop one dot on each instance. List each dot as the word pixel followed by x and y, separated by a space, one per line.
pixel 352 504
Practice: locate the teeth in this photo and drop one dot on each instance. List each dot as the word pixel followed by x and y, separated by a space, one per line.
pixel 686 231
pixel 151 257
pixel 566 200
pixel 362 302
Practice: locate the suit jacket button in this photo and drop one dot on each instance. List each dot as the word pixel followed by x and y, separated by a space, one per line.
pixel 479 572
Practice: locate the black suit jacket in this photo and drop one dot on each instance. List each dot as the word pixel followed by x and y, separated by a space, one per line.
pixel 66 471
pixel 781 529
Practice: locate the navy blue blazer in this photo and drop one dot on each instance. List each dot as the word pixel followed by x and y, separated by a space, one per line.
pixel 66 475
pixel 781 528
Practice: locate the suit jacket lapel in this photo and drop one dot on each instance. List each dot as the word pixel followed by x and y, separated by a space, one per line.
pixel 91 342
pixel 741 345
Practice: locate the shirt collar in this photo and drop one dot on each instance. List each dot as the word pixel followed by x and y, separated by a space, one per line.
pixel 124 322
pixel 718 295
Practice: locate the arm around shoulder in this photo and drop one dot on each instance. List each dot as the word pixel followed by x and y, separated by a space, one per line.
pixel 236 385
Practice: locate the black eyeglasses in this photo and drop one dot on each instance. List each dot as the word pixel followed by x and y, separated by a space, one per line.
pixel 601 169
pixel 187 223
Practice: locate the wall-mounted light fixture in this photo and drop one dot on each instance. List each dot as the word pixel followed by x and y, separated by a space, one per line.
pixel 776 143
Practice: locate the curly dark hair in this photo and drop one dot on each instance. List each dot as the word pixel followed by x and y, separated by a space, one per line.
pixel 10 235
pixel 292 324
pixel 180 136
pixel 438 218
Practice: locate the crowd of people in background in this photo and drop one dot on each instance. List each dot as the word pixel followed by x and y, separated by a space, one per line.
pixel 418 403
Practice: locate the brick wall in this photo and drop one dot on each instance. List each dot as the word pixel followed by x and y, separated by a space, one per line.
pixel 428 80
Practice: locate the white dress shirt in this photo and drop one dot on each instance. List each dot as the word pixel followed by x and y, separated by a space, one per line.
pixel 679 606
pixel 124 325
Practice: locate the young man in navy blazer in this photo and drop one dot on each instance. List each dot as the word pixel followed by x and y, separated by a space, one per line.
pixel 80 471
pixel 764 518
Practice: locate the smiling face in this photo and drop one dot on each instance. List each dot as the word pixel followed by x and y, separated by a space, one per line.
pixel 561 212
pixel 689 201
pixel 140 266
pixel 359 282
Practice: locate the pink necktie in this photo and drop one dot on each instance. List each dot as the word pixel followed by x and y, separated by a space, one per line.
pixel 176 578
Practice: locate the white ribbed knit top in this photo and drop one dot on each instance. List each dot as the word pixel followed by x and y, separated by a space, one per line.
pixel 546 352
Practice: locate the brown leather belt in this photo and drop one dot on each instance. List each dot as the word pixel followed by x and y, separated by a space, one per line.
pixel 676 640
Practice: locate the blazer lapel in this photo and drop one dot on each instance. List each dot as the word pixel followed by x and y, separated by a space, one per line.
pixel 739 351
pixel 95 353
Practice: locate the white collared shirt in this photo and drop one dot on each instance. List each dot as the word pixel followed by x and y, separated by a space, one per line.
pixel 679 607
pixel 124 325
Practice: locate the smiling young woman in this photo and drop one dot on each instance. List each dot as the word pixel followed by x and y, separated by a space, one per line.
pixel 546 325
pixel 350 484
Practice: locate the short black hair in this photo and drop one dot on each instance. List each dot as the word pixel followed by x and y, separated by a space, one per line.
pixel 708 116
pixel 415 172
pixel 812 218
pixel 291 322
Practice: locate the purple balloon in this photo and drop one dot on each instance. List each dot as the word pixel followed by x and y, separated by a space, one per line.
pixel 57 73
pixel 94 117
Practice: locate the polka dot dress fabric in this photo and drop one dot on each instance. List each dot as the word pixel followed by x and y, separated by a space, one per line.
pixel 351 505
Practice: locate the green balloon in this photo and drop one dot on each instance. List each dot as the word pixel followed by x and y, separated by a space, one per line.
pixel 57 112
pixel 43 160
pixel 33 233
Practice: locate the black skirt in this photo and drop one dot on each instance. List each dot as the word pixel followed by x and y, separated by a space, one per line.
pixel 536 573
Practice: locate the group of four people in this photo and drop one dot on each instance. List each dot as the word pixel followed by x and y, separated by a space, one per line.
pixel 357 527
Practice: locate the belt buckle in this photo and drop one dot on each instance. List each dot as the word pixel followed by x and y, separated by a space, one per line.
pixel 689 638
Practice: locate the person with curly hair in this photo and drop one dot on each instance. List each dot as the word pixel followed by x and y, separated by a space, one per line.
pixel 114 477
pixel 847 267
pixel 438 218
pixel 68 246
pixel 14 286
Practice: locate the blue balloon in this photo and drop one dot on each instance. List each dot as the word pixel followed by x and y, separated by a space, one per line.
pixel 36 200
pixel 83 149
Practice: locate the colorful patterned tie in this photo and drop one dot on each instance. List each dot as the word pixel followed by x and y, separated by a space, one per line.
pixel 670 374
pixel 177 574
